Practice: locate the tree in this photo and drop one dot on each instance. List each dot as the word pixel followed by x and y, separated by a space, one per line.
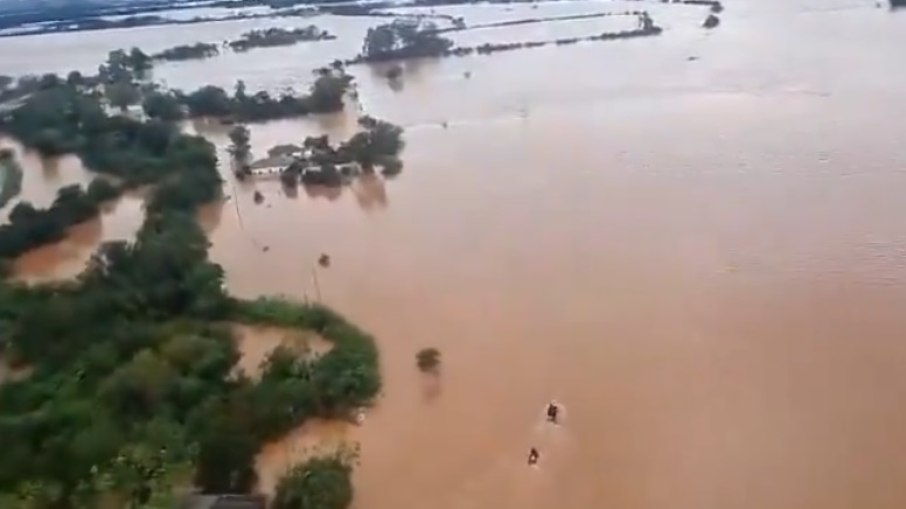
pixel 75 79
pixel 319 483
pixel 404 38
pixel 163 106
pixel 239 136
pixel 380 142
pixel 138 61
pixel 327 91
pixel 100 190
pixel 122 93
pixel 208 101
pixel 428 360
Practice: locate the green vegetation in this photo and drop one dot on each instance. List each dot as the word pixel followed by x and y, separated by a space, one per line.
pixel 121 65
pixel 133 394
pixel 403 38
pixel 10 176
pixel 29 227
pixel 428 360
pixel 377 144
pixel 188 52
pixel 62 119
pixel 163 106
pixel 319 483
pixel 279 37
pixel 325 96
pixel 239 136
pixel 416 38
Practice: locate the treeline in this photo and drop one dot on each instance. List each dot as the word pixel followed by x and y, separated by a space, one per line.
pixel 119 81
pixel 188 52
pixel 279 37
pixel 404 39
pixel 29 227
pixel 325 96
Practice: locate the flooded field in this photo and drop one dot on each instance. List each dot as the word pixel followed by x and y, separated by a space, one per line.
pixel 695 242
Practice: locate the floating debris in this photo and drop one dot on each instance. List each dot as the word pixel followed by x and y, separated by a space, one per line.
pixel 258 197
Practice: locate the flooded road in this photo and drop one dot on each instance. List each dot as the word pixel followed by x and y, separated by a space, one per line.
pixel 703 260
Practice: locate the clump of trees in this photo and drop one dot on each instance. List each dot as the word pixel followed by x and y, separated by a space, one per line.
pixel 319 483
pixel 29 227
pixel 279 37
pixel 134 392
pixel 325 96
pixel 377 144
pixel 164 106
pixel 188 52
pixel 403 38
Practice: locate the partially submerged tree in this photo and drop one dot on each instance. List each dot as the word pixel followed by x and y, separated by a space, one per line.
pixel 404 38
pixel 240 148
pixel 428 360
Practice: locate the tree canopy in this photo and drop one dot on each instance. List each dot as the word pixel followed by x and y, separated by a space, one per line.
pixel 319 483
pixel 404 38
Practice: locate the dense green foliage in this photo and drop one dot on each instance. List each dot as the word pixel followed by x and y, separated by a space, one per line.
pixel 188 52
pixel 133 392
pixel 376 144
pixel 62 119
pixel 404 38
pixel 279 37
pixel 325 96
pixel 163 106
pixel 10 176
pixel 239 137
pixel 29 227
pixel 319 483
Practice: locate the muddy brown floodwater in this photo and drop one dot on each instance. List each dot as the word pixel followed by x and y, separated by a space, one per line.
pixel 702 260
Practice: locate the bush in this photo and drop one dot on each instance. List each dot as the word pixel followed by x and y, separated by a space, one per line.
pixel 428 359
pixel 319 483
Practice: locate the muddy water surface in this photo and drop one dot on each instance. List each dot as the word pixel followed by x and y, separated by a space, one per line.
pixel 701 259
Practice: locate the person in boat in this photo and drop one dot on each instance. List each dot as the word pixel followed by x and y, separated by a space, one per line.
pixel 552 412
pixel 533 456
